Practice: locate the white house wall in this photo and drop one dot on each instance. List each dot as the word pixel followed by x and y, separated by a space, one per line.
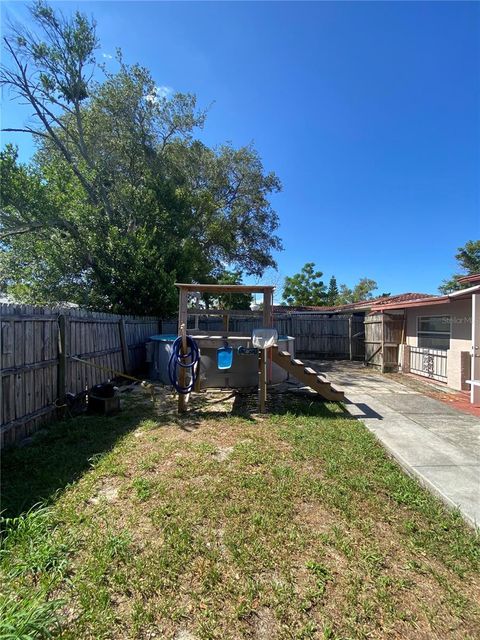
pixel 460 312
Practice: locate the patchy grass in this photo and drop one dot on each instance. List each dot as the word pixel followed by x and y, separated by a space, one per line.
pixel 228 525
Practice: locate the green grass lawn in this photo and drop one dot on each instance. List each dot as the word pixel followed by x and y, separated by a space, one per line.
pixel 228 525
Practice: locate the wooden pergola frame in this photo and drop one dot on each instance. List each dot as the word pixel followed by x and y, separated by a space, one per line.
pixel 184 311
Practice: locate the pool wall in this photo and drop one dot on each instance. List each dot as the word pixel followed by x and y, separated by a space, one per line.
pixel 243 372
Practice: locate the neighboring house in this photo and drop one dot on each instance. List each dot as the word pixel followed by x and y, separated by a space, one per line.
pixel 437 337
pixel 442 336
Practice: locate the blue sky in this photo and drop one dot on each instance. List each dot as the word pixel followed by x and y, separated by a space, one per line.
pixel 368 112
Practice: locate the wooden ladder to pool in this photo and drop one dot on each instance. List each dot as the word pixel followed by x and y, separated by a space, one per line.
pixel 307 375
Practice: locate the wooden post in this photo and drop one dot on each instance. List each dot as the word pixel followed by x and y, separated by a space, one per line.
pixel 225 323
pixel 382 344
pixel 182 375
pixel 259 379
pixel 124 345
pixel 182 310
pixel 262 379
pixel 267 308
pixel 350 346
pixel 62 362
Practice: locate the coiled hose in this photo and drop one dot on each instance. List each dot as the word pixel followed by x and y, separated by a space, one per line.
pixel 187 361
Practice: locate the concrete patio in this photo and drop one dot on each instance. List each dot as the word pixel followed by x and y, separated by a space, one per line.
pixel 431 440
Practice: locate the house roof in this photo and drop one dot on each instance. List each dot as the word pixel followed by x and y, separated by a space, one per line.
pixel 364 305
pixel 473 278
pixel 462 294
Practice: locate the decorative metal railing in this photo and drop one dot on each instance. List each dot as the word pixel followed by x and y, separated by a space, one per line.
pixel 431 363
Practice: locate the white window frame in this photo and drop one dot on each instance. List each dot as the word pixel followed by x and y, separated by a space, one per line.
pixel 439 333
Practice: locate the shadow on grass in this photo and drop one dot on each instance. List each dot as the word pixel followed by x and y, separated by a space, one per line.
pixel 60 453
pixel 307 403
pixel 245 405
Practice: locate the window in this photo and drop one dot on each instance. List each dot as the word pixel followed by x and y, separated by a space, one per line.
pixel 433 332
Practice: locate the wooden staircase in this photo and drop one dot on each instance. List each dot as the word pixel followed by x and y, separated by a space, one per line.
pixel 307 375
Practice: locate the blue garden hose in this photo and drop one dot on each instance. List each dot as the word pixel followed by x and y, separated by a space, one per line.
pixel 187 361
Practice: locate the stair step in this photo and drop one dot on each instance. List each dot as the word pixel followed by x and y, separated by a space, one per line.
pixel 311 378
pixel 326 391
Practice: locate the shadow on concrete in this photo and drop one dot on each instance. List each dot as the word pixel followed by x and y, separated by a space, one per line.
pixel 366 411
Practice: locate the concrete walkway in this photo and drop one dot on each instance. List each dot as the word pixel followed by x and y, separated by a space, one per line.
pixel 431 440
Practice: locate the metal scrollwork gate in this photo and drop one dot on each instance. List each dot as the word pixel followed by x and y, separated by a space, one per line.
pixel 431 363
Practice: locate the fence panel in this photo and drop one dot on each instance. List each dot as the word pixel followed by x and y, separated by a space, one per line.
pixel 358 338
pixel 30 359
pixel 316 335
pixel 383 334
pixel 32 366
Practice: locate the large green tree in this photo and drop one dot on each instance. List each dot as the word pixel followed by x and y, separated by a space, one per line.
pixel 468 258
pixel 308 289
pixel 363 290
pixel 332 292
pixel 121 198
pixel 305 288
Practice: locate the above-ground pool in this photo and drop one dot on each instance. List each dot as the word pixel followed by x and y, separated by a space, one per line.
pixel 242 373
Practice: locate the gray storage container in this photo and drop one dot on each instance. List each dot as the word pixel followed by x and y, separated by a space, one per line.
pixel 158 354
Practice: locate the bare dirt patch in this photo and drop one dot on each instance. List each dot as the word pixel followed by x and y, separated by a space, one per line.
pixel 107 491
pixel 265 626
pixel 223 453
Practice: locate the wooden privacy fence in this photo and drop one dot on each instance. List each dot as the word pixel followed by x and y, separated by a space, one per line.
pixel 37 350
pixel 323 336
pixel 38 347
pixel 316 335
pixel 383 335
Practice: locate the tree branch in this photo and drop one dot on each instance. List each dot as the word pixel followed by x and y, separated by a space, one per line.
pixel 20 230
pixel 27 130
pixel 22 83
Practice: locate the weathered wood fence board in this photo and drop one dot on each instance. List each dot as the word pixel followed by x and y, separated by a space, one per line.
pixel 316 335
pixel 35 377
pixel 383 334
pixel 38 365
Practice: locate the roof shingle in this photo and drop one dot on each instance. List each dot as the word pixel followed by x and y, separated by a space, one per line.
pixel 362 305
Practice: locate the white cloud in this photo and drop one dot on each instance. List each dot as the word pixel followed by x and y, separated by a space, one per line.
pixel 163 91
pixel 107 56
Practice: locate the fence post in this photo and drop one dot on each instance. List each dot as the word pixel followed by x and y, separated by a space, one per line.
pixel 62 361
pixel 262 379
pixel 382 345
pixel 124 345
pixel 350 346
pixel 405 358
